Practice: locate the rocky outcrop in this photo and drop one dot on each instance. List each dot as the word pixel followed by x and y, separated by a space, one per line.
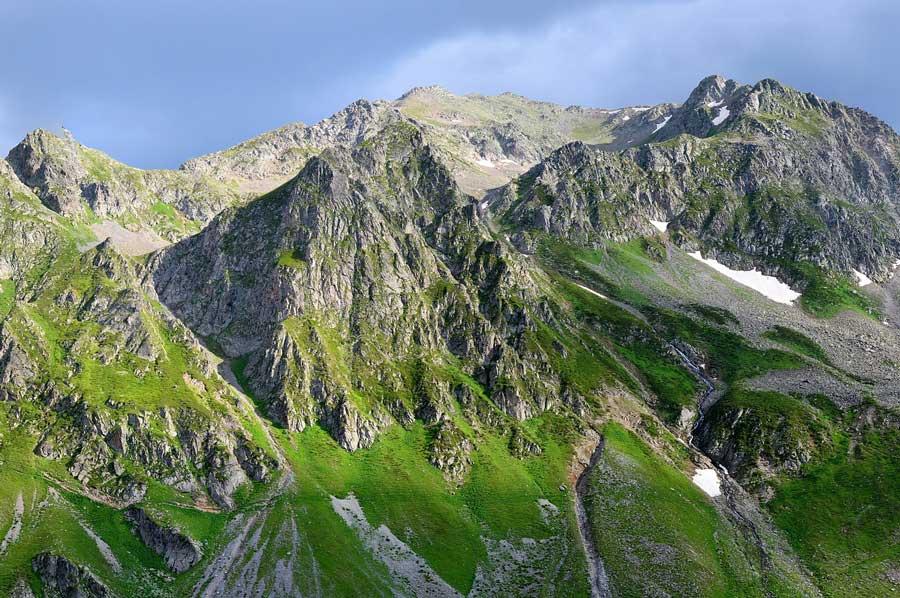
pixel 98 442
pixel 62 577
pixel 484 140
pixel 21 590
pixel 93 316
pixel 28 230
pixel 179 551
pixel 451 451
pixel 268 160
pixel 758 436
pixel 786 178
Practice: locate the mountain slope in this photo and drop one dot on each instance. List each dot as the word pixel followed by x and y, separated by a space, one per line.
pixel 371 380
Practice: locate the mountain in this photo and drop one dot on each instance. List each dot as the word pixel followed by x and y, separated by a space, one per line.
pixel 454 345
pixel 484 140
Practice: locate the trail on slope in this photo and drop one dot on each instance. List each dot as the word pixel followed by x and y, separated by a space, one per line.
pixel 599 580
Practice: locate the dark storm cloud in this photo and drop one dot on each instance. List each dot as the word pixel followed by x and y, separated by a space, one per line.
pixel 154 83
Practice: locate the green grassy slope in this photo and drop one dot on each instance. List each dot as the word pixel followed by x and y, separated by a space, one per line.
pixel 842 514
pixel 658 533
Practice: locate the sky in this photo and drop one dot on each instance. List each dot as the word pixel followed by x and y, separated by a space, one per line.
pixel 155 83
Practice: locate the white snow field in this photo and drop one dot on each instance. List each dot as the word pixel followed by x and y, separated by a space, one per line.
pixel 660 225
pixel 662 124
pixel 723 114
pixel 769 286
pixel 708 481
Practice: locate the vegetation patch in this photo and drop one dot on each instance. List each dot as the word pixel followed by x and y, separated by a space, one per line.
pixel 797 341
pixel 730 355
pixel 291 259
pixel 828 294
pixel 397 486
pixel 7 297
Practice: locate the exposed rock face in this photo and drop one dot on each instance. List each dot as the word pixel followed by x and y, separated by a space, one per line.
pixel 64 578
pixel 755 443
pixel 451 452
pixel 27 228
pixel 76 181
pixel 266 161
pixel 97 442
pixel 178 550
pixel 21 590
pixel 371 289
pixel 375 245
pixel 786 177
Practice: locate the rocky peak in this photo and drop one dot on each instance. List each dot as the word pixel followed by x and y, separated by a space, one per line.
pixel 356 280
pixel 424 91
pixel 707 108
pixel 85 184
pixel 106 258
pixel 713 89
pixel 51 166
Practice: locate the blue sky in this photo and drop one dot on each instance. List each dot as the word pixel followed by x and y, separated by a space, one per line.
pixel 155 83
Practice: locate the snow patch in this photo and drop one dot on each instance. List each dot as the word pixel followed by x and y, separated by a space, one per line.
pixel 769 286
pixel 662 124
pixel 708 481
pixel 723 114
pixel 714 104
pixel 861 279
pixel 482 161
pixel 660 225
pixel 624 118
pixel 592 291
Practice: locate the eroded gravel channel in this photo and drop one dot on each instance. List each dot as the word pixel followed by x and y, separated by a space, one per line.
pixel 600 587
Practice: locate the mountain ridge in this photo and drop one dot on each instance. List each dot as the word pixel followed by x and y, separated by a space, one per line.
pixel 382 376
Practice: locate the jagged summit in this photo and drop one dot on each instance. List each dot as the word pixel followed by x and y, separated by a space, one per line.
pixel 86 185
pixel 712 90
